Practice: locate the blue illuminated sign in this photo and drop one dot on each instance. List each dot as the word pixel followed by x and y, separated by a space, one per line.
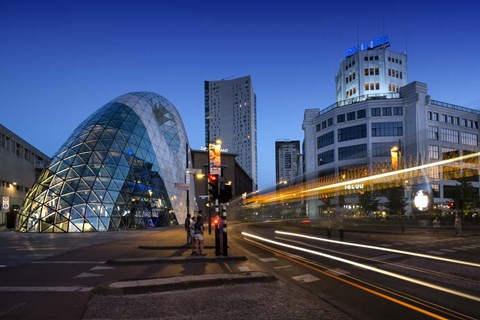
pixel 380 41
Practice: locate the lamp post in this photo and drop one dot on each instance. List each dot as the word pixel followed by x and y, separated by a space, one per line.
pixel 396 156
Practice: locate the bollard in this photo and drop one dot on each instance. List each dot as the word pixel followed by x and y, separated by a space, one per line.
pixel 225 242
pixel 341 234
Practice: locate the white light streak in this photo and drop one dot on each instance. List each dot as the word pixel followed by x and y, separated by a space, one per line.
pixel 392 173
pixel 367 267
pixel 427 256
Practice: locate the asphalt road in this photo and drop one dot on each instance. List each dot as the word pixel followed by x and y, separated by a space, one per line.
pixel 58 276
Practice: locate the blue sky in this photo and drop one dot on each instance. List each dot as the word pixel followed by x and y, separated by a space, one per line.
pixel 62 60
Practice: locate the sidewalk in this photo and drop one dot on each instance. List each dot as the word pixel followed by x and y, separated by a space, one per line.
pixel 201 287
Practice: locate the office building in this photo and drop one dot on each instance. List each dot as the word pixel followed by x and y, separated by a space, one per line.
pixel 359 132
pixel 287 161
pixel 20 166
pixel 232 174
pixel 124 167
pixel 231 116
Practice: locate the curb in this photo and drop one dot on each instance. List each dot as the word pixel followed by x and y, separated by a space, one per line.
pixel 189 247
pixel 131 287
pixel 189 259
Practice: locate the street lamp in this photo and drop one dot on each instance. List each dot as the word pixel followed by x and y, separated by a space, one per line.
pixel 396 157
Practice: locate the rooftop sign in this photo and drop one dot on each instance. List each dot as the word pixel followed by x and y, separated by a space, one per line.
pixel 377 42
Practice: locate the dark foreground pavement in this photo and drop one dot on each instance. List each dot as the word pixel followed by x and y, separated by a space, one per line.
pixel 200 287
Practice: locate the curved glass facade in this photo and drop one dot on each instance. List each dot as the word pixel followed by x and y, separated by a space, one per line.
pixel 117 171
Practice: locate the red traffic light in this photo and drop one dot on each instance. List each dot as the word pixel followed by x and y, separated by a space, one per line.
pixel 212 178
pixel 451 204
pixel 216 221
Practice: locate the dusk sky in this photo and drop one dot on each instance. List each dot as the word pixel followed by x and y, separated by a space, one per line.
pixel 62 60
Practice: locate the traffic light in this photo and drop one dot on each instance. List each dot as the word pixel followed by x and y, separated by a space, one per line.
pixel 225 194
pixel 213 185
pixel 216 221
pixel 451 204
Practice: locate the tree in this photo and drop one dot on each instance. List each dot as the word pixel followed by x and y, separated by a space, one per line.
pixel 368 202
pixel 396 200
pixel 465 197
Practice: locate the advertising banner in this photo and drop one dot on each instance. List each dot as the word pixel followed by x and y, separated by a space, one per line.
pixel 214 158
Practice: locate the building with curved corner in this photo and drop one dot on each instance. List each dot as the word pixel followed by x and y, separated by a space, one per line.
pixel 120 169
pixel 379 117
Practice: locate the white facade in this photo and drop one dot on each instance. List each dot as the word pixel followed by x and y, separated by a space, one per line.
pixel 375 72
pixel 362 134
pixel 360 129
pixel 231 116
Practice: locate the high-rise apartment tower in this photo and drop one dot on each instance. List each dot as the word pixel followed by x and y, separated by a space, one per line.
pixel 231 116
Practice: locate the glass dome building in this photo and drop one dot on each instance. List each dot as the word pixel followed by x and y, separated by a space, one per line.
pixel 117 171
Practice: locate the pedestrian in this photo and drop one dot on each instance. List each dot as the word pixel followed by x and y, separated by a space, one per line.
pixel 199 238
pixel 187 228
pixel 192 236
pixel 458 225
pixel 436 226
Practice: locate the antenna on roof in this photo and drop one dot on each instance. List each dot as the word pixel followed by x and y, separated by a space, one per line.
pixel 406 40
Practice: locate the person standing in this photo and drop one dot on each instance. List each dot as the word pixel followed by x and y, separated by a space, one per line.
pixel 187 228
pixel 192 236
pixel 199 238
pixel 436 226
pixel 458 224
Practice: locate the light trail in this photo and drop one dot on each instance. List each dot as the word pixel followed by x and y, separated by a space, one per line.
pixel 367 267
pixel 393 173
pixel 467 263
pixel 306 189
pixel 362 285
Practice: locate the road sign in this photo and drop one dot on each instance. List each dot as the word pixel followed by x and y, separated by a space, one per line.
pixel 182 186
pixel 6 203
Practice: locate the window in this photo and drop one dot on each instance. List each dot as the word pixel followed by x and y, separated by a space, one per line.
pixel 367 87
pixel 361 114
pixel 433 152
pixel 432 133
pixel 330 122
pixel 325 140
pixel 351 116
pixel 386 111
pixel 381 149
pixel 340 118
pixel 352 152
pixel 366 71
pixel 387 129
pixel 397 111
pixel 351 133
pixel 317 128
pixel 449 153
pixel 375 112
pixel 325 157
pixel 469 139
pixel 324 124
pixel 444 118
pixel 377 71
pixel 377 86
pixel 449 135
